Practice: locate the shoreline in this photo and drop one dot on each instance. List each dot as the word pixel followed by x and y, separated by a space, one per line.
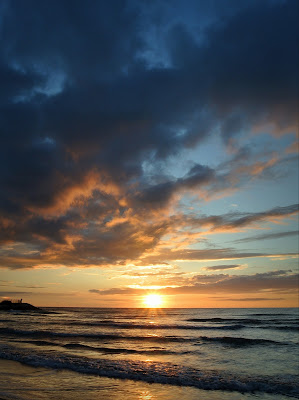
pixel 25 382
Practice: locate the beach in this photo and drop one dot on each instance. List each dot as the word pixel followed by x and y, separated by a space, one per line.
pixel 23 382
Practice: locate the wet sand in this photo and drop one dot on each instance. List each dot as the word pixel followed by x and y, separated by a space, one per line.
pixel 23 382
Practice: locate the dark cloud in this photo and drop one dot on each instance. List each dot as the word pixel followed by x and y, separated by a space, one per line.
pixel 238 220
pixel 255 66
pixel 84 105
pixel 245 219
pixel 92 39
pixel 210 254
pixel 223 267
pixel 273 281
pixel 16 83
pixel 253 299
pixel 31 287
pixel 115 238
pixel 267 236
pixel 159 195
pixel 13 294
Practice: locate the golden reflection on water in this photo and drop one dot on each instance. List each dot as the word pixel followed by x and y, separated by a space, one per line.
pixel 152 312
pixel 145 395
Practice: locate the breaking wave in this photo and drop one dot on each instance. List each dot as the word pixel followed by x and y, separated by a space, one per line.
pixel 46 334
pixel 239 341
pixel 105 350
pixel 158 372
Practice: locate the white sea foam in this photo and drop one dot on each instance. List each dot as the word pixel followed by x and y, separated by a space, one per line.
pixel 164 373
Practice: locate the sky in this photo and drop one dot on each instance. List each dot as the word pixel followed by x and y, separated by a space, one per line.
pixel 149 147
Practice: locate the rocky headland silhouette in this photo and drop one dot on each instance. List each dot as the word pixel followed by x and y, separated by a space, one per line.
pixel 18 305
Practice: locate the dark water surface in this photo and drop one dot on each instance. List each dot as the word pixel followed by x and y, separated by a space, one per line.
pixel 222 353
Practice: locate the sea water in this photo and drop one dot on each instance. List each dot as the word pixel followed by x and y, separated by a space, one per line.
pixel 86 353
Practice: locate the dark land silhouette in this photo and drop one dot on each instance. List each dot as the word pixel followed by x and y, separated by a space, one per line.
pixel 7 305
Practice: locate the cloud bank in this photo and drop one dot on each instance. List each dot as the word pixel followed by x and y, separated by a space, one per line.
pixel 88 100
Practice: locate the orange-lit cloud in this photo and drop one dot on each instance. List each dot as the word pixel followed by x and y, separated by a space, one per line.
pixel 273 281
pixel 125 154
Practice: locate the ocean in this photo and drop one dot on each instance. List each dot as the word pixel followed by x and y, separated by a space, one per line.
pixel 147 354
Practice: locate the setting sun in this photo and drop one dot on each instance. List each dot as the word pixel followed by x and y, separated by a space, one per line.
pixel 153 300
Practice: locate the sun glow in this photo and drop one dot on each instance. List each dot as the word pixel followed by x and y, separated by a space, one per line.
pixel 153 300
